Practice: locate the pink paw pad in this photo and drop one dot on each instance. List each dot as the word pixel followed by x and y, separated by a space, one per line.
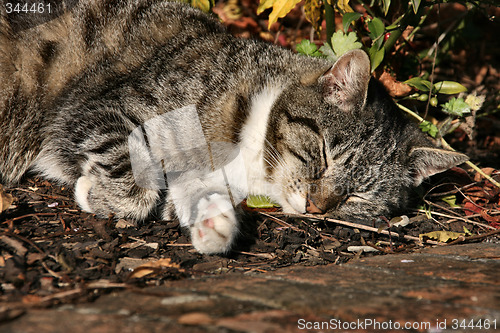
pixel 209 223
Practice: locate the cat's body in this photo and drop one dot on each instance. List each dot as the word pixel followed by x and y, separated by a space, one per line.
pixel 112 96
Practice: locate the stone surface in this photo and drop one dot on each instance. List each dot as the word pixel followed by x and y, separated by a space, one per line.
pixel 428 287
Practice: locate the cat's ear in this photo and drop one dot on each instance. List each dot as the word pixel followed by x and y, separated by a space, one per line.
pixel 346 83
pixel 427 161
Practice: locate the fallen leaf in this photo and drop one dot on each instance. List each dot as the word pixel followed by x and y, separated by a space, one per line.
pixel 441 236
pixel 124 224
pixel 488 171
pixel 129 264
pixel 494 221
pixel 359 248
pixel 471 209
pixel 400 221
pixel 6 199
pixel 152 267
pixel 451 200
pixel 15 244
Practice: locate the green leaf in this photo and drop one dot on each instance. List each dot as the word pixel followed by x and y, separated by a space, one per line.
pixel 451 200
pixel 260 201
pixel 456 107
pixel 308 48
pixel 415 4
pixel 467 232
pixel 449 87
pixel 386 5
pixel 429 128
pixel 376 56
pixel 377 29
pixel 348 18
pixel 327 52
pixel 342 43
pixel 419 83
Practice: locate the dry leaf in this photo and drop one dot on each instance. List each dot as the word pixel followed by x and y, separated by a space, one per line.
pixel 280 8
pixel 314 13
pixel 489 171
pixel 343 5
pixel 129 264
pixel 15 244
pixel 5 199
pixel 356 248
pixel 395 88
pixel 441 236
pixel 153 266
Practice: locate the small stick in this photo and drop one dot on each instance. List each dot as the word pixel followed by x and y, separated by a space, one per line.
pixel 463 239
pixel 50 196
pixel 260 255
pixel 359 226
pixel 282 223
pixel 35 215
pixel 461 219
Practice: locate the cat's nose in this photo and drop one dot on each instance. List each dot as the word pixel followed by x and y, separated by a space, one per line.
pixel 312 208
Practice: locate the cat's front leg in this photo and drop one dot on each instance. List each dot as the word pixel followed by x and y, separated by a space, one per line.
pixel 207 211
pixel 214 228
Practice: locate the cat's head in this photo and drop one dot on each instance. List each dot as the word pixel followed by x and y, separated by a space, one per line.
pixel 338 144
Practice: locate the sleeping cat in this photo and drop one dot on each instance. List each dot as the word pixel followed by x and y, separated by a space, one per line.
pixel 150 109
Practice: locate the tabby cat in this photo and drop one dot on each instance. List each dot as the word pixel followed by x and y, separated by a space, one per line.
pixel 151 110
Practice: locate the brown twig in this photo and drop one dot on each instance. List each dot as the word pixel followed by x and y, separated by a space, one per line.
pixel 35 215
pixel 50 196
pixel 281 222
pixel 442 194
pixel 356 225
pixel 460 218
pixel 476 237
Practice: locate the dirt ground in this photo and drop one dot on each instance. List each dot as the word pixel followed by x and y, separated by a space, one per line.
pixel 49 248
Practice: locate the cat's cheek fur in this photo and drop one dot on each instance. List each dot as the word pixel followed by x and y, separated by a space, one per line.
pixel 297 202
pixel 215 226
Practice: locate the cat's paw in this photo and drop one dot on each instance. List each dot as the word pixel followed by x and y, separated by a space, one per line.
pixel 215 226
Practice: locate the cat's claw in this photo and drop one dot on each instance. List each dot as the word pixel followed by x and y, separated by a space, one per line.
pixel 215 229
